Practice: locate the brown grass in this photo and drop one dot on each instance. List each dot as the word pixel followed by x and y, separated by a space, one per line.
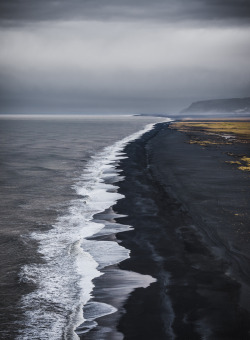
pixel 206 133
pixel 240 130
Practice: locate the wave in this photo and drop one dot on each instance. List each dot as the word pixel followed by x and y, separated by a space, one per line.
pixel 70 260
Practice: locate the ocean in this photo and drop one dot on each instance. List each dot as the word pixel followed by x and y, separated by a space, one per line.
pixel 57 174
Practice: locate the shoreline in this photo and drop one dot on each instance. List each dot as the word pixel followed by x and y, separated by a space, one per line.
pixel 178 198
pixel 207 266
pixel 114 285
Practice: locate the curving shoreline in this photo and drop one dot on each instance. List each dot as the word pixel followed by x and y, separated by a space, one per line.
pixel 177 198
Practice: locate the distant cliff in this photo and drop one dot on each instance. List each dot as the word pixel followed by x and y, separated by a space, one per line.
pixel 233 106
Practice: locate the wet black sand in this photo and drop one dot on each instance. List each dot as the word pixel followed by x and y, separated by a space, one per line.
pixel 190 212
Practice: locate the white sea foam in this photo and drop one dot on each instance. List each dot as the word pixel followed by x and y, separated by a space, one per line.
pixel 71 262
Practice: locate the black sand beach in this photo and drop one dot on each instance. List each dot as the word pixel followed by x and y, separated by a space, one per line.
pixel 190 212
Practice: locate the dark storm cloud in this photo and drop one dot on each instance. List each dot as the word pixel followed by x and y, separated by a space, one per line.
pixel 121 56
pixel 163 10
pixel 130 67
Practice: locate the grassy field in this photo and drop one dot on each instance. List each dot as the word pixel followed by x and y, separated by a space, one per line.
pixel 239 130
pixel 206 133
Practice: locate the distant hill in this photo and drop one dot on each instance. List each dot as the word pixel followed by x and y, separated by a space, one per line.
pixel 233 107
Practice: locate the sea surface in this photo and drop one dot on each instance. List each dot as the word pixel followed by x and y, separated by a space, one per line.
pixel 57 173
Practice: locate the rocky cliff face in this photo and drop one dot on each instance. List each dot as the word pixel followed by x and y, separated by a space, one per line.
pixel 233 106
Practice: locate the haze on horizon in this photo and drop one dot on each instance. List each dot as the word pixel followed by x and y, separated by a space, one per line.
pixel 121 56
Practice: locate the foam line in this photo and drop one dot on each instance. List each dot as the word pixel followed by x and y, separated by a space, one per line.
pixel 71 262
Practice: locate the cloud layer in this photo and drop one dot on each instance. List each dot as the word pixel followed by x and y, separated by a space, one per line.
pixel 140 60
pixel 163 10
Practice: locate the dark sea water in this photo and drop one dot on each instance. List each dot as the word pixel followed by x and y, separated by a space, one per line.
pixel 56 174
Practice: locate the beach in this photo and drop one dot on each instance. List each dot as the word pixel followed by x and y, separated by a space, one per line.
pixel 54 177
pixel 189 207
pixel 145 237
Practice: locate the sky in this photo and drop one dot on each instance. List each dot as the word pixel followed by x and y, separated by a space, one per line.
pixel 124 57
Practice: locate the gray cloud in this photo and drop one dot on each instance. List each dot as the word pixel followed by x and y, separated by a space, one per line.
pixel 159 10
pixel 121 56
pixel 128 67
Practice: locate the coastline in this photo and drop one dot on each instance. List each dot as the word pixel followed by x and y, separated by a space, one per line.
pixel 49 201
pixel 112 286
pixel 178 199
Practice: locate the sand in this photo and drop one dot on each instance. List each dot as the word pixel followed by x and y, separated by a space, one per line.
pixel 190 212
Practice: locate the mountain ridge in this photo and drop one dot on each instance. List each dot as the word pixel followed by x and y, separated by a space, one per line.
pixel 232 106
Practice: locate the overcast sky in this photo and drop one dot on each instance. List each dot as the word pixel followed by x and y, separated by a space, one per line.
pixel 114 56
